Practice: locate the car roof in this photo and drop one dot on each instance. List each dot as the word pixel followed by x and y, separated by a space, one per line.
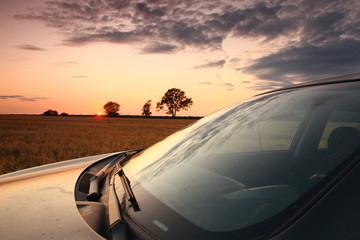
pixel 326 81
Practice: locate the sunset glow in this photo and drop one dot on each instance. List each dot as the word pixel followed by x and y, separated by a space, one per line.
pixel 74 56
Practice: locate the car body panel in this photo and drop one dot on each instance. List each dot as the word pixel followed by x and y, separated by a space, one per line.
pixel 41 200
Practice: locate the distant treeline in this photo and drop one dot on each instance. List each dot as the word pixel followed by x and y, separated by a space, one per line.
pixel 138 116
pixel 160 117
pixel 120 116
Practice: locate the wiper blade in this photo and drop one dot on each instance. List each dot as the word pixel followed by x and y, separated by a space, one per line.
pixel 116 223
pixel 127 188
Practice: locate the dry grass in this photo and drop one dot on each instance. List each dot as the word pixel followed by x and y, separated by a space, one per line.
pixel 27 141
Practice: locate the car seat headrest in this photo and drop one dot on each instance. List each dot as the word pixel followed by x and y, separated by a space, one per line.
pixel 341 136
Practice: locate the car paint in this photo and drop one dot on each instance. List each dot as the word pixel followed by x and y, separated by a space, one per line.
pixel 38 203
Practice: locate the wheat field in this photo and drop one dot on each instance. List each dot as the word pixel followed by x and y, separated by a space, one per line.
pixel 28 141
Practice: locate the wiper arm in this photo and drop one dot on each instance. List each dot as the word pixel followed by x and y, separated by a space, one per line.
pixel 116 223
pixel 127 188
pixel 94 190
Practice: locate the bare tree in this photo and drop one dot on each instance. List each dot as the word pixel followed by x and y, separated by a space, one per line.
pixel 175 100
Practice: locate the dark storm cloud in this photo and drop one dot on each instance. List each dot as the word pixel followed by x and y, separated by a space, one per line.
pixel 203 25
pixel 312 33
pixel 260 20
pixel 149 12
pixel 328 44
pixel 29 47
pixel 309 62
pixel 23 98
pixel 215 64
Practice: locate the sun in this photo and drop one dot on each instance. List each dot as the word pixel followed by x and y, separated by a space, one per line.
pixel 98 114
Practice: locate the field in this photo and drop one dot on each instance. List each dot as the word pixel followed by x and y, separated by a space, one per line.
pixel 28 141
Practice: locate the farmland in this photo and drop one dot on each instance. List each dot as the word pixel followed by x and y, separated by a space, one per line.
pixel 28 141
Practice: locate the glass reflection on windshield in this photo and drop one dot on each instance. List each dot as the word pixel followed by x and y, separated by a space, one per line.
pixel 247 162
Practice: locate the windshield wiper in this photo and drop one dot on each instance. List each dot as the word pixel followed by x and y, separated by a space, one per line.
pixel 127 188
pixel 94 190
pixel 116 223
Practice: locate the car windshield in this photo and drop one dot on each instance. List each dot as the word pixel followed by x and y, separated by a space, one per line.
pixel 252 161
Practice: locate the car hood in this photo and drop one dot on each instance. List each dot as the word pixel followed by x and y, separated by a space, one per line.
pixel 38 203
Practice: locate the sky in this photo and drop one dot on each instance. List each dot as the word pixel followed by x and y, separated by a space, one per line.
pixel 74 56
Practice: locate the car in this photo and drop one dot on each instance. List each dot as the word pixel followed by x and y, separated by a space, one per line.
pixel 282 165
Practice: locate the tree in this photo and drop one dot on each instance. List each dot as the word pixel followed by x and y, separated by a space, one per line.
pixel 146 110
pixel 175 100
pixel 50 113
pixel 64 114
pixel 112 109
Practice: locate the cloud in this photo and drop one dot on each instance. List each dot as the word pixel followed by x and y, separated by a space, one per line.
pixel 30 47
pixel 328 45
pixel 268 85
pixel 67 64
pixel 311 33
pixel 23 98
pixel 11 96
pixel 33 99
pixel 215 64
pixel 308 62
pixel 235 60
pixel 229 86
pixel 160 48
pixel 206 83
pixel 203 25
pixel 80 76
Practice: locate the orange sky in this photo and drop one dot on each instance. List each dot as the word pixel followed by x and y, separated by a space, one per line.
pixel 45 63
